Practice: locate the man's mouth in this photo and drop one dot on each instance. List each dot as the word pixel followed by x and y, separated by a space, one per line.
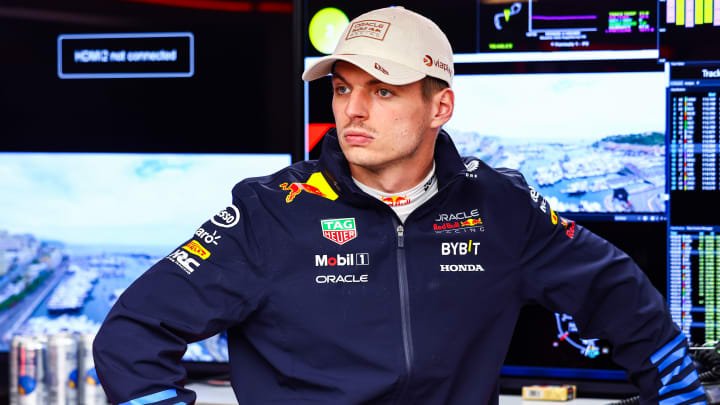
pixel 356 137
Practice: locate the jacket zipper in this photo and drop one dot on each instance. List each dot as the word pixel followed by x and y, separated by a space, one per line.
pixel 405 296
pixel 404 306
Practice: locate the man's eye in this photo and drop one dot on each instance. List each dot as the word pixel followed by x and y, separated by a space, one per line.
pixel 384 93
pixel 342 90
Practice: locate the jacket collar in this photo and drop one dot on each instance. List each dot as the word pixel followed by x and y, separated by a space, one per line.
pixel 336 170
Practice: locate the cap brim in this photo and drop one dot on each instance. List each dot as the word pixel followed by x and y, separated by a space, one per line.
pixel 382 69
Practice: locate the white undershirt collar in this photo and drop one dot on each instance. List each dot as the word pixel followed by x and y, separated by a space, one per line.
pixel 405 202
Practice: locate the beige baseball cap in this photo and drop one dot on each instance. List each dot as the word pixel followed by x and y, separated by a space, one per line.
pixel 393 44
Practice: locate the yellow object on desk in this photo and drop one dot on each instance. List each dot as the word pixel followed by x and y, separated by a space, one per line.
pixel 549 392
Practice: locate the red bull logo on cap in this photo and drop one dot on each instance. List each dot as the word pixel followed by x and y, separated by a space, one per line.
pixel 316 184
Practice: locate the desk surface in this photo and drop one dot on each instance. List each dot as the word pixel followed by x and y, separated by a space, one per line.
pixel 211 395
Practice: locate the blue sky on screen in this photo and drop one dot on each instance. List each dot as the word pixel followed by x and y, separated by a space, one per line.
pixel 565 108
pixel 120 199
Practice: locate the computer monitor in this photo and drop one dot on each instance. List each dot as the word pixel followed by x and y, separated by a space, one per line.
pixel 77 228
pixel 688 30
pixel 176 78
pixel 693 177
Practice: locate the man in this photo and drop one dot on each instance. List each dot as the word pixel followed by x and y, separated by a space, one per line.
pixel 389 271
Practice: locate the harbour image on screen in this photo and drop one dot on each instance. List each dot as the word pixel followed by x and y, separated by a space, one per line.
pixel 588 142
pixel 77 228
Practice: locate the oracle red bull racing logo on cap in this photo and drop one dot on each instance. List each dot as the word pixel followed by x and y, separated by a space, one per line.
pixel 316 184
pixel 368 29
pixel 340 231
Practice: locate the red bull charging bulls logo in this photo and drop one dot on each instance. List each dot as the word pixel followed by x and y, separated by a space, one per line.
pixel 316 184
pixel 396 200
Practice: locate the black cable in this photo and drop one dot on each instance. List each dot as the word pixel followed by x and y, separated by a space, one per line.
pixel 711 375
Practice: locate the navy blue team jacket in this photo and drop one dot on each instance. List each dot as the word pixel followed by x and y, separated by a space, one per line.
pixel 329 299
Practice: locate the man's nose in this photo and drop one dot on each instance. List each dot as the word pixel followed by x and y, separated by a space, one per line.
pixel 357 106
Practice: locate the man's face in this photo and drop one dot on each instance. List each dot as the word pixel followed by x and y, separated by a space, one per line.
pixel 380 125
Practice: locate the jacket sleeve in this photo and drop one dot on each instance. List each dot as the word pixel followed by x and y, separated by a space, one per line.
pixel 206 285
pixel 566 268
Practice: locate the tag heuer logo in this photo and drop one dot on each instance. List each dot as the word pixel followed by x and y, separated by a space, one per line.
pixel 339 230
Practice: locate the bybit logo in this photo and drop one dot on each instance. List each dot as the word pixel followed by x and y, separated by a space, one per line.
pixel 459 248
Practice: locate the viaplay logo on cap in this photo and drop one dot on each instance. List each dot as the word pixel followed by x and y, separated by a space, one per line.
pixel 339 230
pixel 429 61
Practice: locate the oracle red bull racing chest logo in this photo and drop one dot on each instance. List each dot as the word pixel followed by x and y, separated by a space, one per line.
pixel 458 222
pixel 340 230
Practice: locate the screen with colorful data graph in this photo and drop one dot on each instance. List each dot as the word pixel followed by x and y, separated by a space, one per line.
pixel 692 144
pixel 693 254
pixel 693 291
pixel 689 30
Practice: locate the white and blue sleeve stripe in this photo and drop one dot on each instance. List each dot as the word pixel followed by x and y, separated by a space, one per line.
pixel 680 384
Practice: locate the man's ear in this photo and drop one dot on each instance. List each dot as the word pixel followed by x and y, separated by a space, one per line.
pixel 443 104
